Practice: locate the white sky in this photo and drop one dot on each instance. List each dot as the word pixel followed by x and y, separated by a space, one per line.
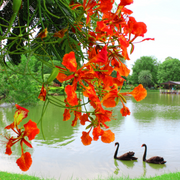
pixel 162 18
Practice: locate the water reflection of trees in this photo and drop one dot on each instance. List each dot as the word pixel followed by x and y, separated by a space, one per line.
pixel 55 130
pixel 156 105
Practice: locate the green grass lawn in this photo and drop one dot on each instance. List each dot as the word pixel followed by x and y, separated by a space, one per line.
pixel 11 176
pixel 170 176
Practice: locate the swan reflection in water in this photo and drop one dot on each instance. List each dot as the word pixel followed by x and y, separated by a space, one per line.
pixel 128 164
pixel 153 166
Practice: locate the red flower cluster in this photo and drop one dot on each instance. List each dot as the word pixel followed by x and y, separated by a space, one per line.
pixel 107 50
pixel 108 40
pixel 29 130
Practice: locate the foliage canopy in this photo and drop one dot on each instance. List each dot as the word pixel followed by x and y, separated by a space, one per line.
pixel 169 70
pixel 145 63
pixel 145 78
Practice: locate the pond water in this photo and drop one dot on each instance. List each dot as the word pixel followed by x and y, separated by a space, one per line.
pixel 154 121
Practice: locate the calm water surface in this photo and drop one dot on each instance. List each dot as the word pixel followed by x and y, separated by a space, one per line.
pixel 154 121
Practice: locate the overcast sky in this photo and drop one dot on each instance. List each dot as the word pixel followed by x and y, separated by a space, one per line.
pixel 162 18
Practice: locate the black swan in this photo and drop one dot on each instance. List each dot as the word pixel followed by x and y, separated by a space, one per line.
pixel 126 156
pixel 154 159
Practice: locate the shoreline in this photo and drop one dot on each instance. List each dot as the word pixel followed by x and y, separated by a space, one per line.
pixel 14 176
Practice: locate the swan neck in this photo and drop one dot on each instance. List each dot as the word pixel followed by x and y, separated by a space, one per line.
pixel 115 154
pixel 145 151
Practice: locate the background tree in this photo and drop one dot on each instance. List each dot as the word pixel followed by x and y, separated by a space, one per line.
pixel 145 78
pixel 33 17
pixel 21 86
pixel 169 70
pixel 145 63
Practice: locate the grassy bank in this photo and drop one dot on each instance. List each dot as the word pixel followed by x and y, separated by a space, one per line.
pixel 11 176
pixel 170 176
pixel 148 90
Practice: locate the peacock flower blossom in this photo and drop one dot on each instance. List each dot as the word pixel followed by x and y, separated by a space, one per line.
pixel 120 67
pixel 30 131
pixel 85 138
pixel 139 92
pixel 86 73
pixel 125 2
pixel 125 111
pixel 128 28
pixel 101 58
pixel 25 161
pixel 69 61
pixel 104 8
pixel 109 99
pixel 61 77
pixel 108 136
pixel 126 11
pixel 84 118
pixel 42 95
pixel 19 115
pixel 139 29
pixel 118 80
pixel 66 115
pixel 105 80
pixel 97 131
pixel 77 115
pixel 103 117
pixel 71 95
pixel 124 43
pixel 87 6
pixel 103 31
pixel 93 98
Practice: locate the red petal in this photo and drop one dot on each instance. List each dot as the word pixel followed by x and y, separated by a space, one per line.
pixel 20 114
pixel 108 136
pixel 8 147
pixel 66 115
pixel 31 130
pixel 42 95
pixel 125 111
pixel 71 95
pixel 85 138
pixel 25 161
pixel 69 61
pixel 139 92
